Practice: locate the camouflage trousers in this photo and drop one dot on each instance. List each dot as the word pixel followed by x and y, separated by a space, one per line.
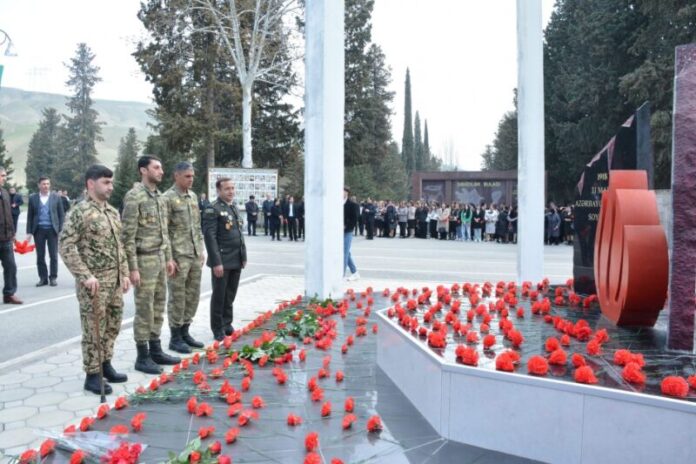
pixel 108 318
pixel 184 291
pixel 150 297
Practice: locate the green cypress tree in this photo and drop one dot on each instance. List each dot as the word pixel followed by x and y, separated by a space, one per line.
pixel 407 147
pixel 126 171
pixel 6 161
pixel 418 148
pixel 82 130
pixel 426 144
pixel 44 147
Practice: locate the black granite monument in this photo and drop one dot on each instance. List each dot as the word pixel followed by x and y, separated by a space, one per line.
pixel 630 148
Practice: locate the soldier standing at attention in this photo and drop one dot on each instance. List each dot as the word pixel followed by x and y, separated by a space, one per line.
pixel 90 245
pixel 186 241
pixel 149 254
pixel 222 231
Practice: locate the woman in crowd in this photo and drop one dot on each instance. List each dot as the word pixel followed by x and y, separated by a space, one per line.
pixel 421 220
pixel 276 219
pixel 411 219
pixel 390 220
pixel 433 217
pixel 465 226
pixel 402 214
pixel 501 226
pixel 491 217
pixel 554 226
pixel 512 219
pixel 454 222
pixel 379 219
pixel 443 221
pixel 478 222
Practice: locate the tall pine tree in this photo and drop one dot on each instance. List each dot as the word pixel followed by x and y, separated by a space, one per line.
pixel 407 144
pixel 44 148
pixel 82 130
pixel 426 143
pixel 418 148
pixel 126 172
pixel 5 160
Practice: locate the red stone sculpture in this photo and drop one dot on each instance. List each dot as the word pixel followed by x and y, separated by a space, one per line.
pixel 631 260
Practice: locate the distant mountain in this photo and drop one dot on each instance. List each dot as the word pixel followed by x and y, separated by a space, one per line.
pixel 20 113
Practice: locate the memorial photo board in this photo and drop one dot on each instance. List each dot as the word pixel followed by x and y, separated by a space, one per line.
pixel 257 182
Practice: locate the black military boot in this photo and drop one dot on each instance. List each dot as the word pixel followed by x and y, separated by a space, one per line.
pixel 159 356
pixel 93 384
pixel 144 362
pixel 176 343
pixel 111 375
pixel 188 339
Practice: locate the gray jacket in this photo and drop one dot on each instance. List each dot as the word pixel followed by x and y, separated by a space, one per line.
pixel 55 205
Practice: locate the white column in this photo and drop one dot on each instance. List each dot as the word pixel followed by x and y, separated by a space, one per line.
pixel 530 120
pixel 324 104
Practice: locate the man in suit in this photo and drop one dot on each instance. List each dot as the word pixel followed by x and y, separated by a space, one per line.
pixel 300 219
pixel 266 208
pixel 252 212
pixel 7 236
pixel 222 232
pixel 45 217
pixel 351 211
pixel 290 215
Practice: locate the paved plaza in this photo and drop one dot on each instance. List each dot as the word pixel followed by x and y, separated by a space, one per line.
pixel 40 364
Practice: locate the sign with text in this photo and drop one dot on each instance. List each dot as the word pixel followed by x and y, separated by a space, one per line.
pixel 257 182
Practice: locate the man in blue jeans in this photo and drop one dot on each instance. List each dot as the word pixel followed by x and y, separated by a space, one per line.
pixel 350 219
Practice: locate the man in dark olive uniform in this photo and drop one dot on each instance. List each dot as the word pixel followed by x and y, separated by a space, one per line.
pixel 226 255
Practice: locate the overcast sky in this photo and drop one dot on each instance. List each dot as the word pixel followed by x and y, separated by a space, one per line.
pixel 461 53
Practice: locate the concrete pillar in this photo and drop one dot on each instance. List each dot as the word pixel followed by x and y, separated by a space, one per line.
pixel 530 111
pixel 324 107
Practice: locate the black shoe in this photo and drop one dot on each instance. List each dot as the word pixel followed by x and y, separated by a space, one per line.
pixel 176 343
pixel 144 362
pixel 111 375
pixel 188 339
pixel 42 283
pixel 219 336
pixel 53 282
pixel 229 330
pixel 159 356
pixel 93 384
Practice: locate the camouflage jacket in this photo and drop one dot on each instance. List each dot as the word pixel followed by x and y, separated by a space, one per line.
pixel 184 224
pixel 90 242
pixel 144 224
pixel 222 231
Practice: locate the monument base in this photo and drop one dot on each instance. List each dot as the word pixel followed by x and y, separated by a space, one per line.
pixel 533 417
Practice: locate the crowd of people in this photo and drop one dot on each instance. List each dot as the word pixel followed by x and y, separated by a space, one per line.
pixel 414 219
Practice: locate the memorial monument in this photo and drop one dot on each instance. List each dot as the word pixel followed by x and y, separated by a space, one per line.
pixel 629 149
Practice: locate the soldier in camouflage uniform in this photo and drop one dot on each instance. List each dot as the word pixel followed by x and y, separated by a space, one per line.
pixel 149 254
pixel 90 245
pixel 186 241
pixel 222 231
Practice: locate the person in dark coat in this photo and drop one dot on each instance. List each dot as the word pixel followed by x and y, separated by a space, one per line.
pixel 266 210
pixel 370 210
pixel 478 222
pixel 7 235
pixel 501 226
pixel 252 212
pixel 227 256
pixel 554 227
pixel 422 220
pixel 275 219
pixel 390 219
pixel 300 219
pixel 290 216
pixel 16 201
pixel 45 217
pixel 351 212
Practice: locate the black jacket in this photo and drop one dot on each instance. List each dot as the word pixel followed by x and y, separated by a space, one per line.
pixel 6 222
pixel 222 232
pixel 252 210
pixel 351 211
pixel 16 201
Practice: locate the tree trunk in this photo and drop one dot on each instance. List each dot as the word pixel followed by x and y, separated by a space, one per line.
pixel 210 142
pixel 246 125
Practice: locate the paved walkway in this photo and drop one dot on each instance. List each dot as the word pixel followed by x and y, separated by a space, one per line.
pixel 47 391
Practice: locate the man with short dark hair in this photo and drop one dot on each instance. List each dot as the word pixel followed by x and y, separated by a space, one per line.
pixel 186 240
pixel 7 235
pixel 290 215
pixel 252 212
pixel 350 219
pixel 222 231
pixel 45 217
pixel 266 208
pixel 91 247
pixel 146 240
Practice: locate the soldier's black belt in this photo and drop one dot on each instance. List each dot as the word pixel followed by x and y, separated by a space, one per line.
pixel 148 252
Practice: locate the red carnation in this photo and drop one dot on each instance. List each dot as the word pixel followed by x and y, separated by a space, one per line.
pixel 191 405
pixel 118 429
pixel 578 360
pixel 622 357
pixel 47 447
pixel 231 435
pixel 488 341
pixel 314 458
pixel 205 432
pixel 504 362
pixel 339 376
pixel 103 411
pixel 246 383
pixel 29 456
pixel 674 386
pixel 349 404
pixel 558 357
pixel 326 409
pixel 257 402
pixel 537 365
pixel 224 459
pixel 515 337
pixel 294 420
pixel 121 402
pixel 311 441
pixel 552 344
pixel 374 424
pixel 565 340
pixel 467 355
pixel 317 394
pixel 584 374
pixel 692 381
pixel 86 424
pixel 77 457
pixel 137 421
pixel 632 374
pixel 348 420
pixel 472 337
pixel 204 409
pixel 594 348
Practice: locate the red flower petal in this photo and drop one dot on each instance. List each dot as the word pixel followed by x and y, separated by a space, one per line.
pixel 558 357
pixel 578 360
pixel 348 420
pixel 47 447
pixel 326 409
pixel 675 386
pixel 231 435
pixel 349 404
pixel 374 424
pixel 631 373
pixel 584 374
pixel 294 420
pixel 537 365
pixel 311 441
